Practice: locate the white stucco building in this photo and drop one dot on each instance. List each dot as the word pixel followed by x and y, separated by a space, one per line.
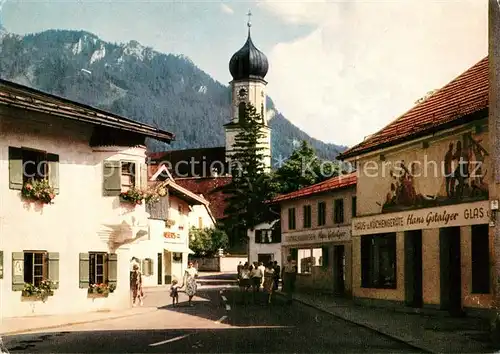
pixel 265 243
pixel 163 254
pixel 83 237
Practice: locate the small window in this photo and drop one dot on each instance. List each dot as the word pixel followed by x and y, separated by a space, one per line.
pixel 291 219
pixel 339 211
pixel 321 213
pixel 35 267
pixel 98 268
pixel 307 216
pixel 354 212
pixel 200 222
pixel 242 112
pixel 147 267
pixel 262 113
pixel 32 165
pixel 128 174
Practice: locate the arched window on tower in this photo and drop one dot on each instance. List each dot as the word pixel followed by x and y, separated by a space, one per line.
pixel 262 112
pixel 242 108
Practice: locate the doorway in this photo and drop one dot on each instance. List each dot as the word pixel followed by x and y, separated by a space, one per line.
pixel 413 269
pixel 159 268
pixel 265 258
pixel 168 267
pixel 339 270
pixel 450 270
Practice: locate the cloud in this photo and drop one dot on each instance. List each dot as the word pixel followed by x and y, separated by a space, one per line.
pixel 365 63
pixel 226 9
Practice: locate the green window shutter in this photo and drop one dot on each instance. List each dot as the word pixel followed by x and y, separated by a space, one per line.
pixel 54 268
pixel 112 171
pixel 84 270
pixel 151 268
pixel 112 269
pixel 53 162
pixel 15 168
pixel 17 271
pixel 144 267
pixel 144 176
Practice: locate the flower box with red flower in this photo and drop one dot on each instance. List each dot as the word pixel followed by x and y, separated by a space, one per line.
pixel 133 196
pixel 38 191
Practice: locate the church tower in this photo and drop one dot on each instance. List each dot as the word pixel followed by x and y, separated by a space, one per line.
pixel 248 67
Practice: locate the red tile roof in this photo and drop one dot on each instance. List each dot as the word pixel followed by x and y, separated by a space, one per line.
pixel 201 185
pixel 204 186
pixel 451 105
pixel 334 183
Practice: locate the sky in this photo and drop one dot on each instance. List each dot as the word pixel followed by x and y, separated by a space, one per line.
pixel 339 70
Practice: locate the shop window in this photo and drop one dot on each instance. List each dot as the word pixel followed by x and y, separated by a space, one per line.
pixel 321 213
pixel 480 254
pixel 378 261
pixel 291 219
pixel 307 216
pixel 307 258
pixel 338 208
pixel 353 209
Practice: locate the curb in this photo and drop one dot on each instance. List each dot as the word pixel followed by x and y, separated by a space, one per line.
pixel 36 329
pixel 394 337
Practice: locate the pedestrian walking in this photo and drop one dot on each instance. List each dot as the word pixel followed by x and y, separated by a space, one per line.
pixel 289 276
pixel 174 292
pixel 262 270
pixel 244 281
pixel 190 276
pixel 238 269
pixel 256 276
pixel 277 273
pixel 136 285
pixel 269 281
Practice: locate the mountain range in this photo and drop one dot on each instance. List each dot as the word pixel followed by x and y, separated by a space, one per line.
pixel 165 90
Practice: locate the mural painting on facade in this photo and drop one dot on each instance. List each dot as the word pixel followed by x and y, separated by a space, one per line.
pixel 461 176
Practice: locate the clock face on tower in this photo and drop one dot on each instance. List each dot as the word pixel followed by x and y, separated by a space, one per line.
pixel 242 93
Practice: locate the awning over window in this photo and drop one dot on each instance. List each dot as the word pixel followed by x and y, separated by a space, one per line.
pixel 177 247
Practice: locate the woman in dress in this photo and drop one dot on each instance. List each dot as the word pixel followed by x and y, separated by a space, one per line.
pixel 136 285
pixel 245 281
pixel 269 280
pixel 190 281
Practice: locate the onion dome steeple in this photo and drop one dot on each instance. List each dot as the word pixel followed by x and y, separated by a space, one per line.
pixel 248 62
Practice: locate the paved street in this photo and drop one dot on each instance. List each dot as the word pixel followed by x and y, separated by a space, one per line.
pixel 218 322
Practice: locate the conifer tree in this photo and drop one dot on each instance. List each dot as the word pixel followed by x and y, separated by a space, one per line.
pixel 250 186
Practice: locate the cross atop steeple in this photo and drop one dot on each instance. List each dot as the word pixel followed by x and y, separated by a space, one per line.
pixel 249 23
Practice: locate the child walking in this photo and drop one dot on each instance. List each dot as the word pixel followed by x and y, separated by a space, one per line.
pixel 174 292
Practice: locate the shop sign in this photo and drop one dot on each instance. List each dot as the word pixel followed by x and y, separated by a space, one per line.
pixel 429 218
pixel 171 235
pixel 318 236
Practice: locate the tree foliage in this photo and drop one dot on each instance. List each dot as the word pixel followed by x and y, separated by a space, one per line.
pixel 206 242
pixel 303 169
